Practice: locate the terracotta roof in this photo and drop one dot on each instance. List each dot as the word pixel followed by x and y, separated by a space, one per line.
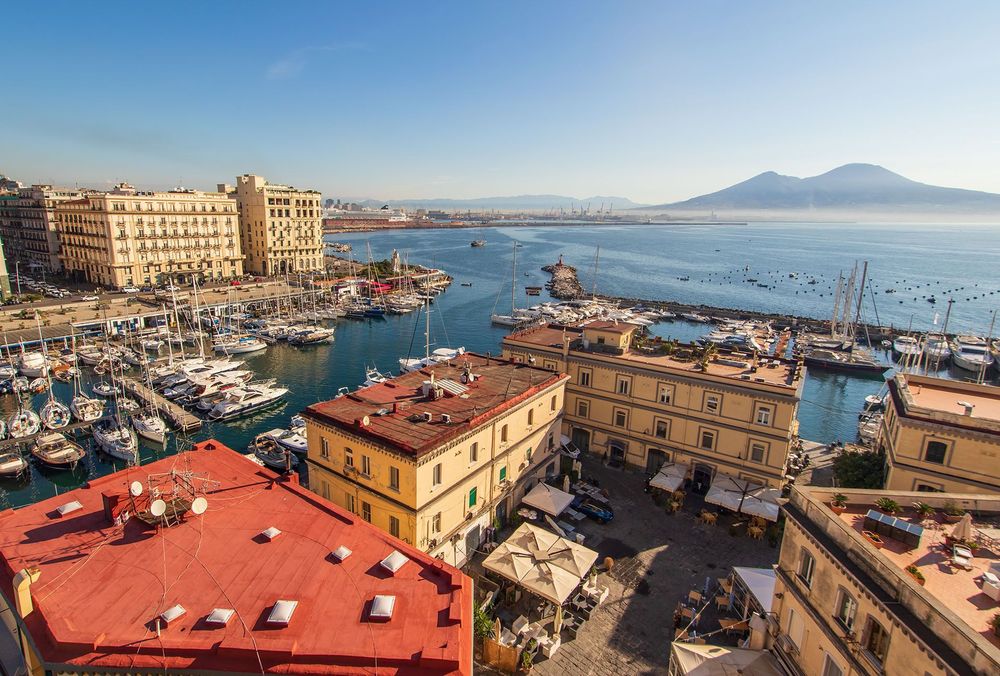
pixel 101 585
pixel 612 327
pixel 395 409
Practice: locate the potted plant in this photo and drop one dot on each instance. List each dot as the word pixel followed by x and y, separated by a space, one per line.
pixel 916 574
pixel 952 512
pixel 923 510
pixel 873 538
pixel 995 623
pixel 528 656
pixel 839 503
pixel 887 506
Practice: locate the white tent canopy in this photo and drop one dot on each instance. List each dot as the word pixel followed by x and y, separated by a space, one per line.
pixel 740 495
pixel 670 477
pixel 712 660
pixel 760 583
pixel 542 562
pixel 548 499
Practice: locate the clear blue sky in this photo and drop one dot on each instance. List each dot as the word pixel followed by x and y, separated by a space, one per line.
pixel 654 101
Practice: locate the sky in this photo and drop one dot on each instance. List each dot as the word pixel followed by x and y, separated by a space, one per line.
pixel 654 101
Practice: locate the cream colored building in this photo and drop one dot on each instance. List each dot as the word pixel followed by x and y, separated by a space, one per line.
pixel 128 237
pixel 435 456
pixel 28 226
pixel 280 227
pixel 941 435
pixel 843 606
pixel 4 277
pixel 645 404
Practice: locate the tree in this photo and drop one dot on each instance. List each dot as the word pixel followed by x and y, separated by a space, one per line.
pixel 860 469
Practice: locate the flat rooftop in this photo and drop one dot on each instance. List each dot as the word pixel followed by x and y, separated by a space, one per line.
pixel 101 585
pixel 733 365
pixel 949 397
pixel 395 409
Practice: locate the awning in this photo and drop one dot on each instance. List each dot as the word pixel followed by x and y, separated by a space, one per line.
pixel 760 583
pixel 670 477
pixel 542 562
pixel 548 499
pixel 712 660
pixel 740 495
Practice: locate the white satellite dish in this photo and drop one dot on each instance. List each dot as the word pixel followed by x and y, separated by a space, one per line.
pixel 199 505
pixel 135 489
pixel 366 421
pixel 158 508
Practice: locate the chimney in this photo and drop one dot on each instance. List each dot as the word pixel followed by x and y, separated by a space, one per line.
pixel 967 406
pixel 445 418
pixel 428 416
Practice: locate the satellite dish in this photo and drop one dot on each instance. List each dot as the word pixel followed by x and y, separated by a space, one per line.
pixel 366 421
pixel 135 489
pixel 199 505
pixel 158 508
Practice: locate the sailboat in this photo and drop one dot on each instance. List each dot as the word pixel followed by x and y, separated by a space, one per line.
pixel 115 437
pixel 23 423
pixel 512 319
pixel 54 414
pixel 147 423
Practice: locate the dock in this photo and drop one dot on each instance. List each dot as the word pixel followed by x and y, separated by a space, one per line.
pixel 181 419
pixel 75 430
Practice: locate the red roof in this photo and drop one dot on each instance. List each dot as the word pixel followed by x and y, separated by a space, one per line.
pixel 395 409
pixel 611 327
pixel 101 585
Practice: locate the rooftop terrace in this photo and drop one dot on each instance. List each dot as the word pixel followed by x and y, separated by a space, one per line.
pixel 948 401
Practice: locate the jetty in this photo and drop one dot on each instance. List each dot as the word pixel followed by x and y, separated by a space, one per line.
pixel 564 285
pixel 183 420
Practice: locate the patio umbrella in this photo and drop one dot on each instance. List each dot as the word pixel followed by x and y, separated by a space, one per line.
pixel 963 529
pixel 566 484
pixel 557 621
pixel 742 496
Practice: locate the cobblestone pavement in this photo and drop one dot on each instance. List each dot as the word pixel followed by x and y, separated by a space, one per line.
pixel 658 559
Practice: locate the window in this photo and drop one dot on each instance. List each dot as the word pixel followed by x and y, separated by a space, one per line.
pixel 831 668
pixel 764 415
pixel 552 402
pixel 876 641
pixel 366 465
pixel 393 526
pixel 758 452
pixel 712 403
pixel 436 480
pixel 661 429
pixel 474 452
pixel 708 439
pixel 326 490
pixel 664 394
pixel 350 504
pixel 584 377
pixel 503 434
pixel 935 452
pixel 583 408
pixel 621 417
pixel 503 473
pixel 806 565
pixel 847 608
pixel 436 523
pixel 324 448
pixel 394 478
pixel 472 497
pixel 531 417
pixel 348 457
pixel 927 488
pixel 549 364
pixel 623 385
pixel 366 511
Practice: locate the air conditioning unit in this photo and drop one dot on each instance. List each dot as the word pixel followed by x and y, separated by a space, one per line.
pixel 786 644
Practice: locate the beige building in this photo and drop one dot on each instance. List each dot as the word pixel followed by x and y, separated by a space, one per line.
pixel 280 227
pixel 4 277
pixel 128 237
pixel 645 403
pixel 28 226
pixel 843 605
pixel 435 456
pixel 941 435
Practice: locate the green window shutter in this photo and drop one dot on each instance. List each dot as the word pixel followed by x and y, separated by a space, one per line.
pixel 472 497
pixel 503 473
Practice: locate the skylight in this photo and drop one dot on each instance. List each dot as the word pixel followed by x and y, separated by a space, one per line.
pixel 172 613
pixel 271 533
pixel 382 607
pixel 341 553
pixel 281 613
pixel 69 507
pixel 394 562
pixel 220 616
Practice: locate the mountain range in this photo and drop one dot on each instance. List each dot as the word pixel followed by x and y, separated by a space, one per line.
pixel 534 203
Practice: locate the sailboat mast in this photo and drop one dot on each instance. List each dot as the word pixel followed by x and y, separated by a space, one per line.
pixel 835 321
pixel 861 292
pixel 989 342
pixel 597 260
pixel 513 280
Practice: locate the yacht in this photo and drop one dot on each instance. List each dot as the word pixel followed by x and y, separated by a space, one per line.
pixel 971 353
pixel 290 439
pixel 86 409
pixel 242 401
pixel 907 346
pixel 56 451
pixel 149 425
pixel 32 364
pixel 117 440
pixel 242 345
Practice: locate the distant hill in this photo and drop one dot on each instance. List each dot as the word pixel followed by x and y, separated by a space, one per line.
pixel 535 203
pixel 852 187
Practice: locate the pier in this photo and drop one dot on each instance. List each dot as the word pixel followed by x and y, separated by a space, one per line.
pixel 75 430
pixel 181 419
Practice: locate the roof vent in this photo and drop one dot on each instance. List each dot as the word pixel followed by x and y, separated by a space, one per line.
pixel 220 616
pixel 281 613
pixel 445 418
pixel 428 416
pixel 341 553
pixel 270 533
pixel 393 562
pixel 69 507
pixel 171 614
pixel 967 406
pixel 745 376
pixel 382 607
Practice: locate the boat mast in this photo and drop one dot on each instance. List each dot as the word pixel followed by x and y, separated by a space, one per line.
pixel 989 346
pixel 835 321
pixel 597 259
pixel 513 280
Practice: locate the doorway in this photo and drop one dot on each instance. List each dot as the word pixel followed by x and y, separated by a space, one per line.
pixel 581 439
pixel 701 478
pixel 616 453
pixel 654 460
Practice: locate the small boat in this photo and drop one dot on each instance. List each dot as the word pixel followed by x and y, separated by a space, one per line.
pixel 58 452
pixel 290 439
pixel 33 364
pixel 242 345
pixel 64 373
pixel 478 243
pixel 23 423
pixel 150 426
pixel 936 348
pixel 55 415
pixel 297 424
pixel 117 440
pixel 466 283
pixel 12 464
pixel 104 389
pixel 271 454
pixel 85 409
pixel 374 377
pixel 971 353
pixel 38 385
pixel 906 346
pixel 533 290
pixel 242 401
pixel 151 344
pixel 873 402
pixel 695 317
pixel 311 336
pixel 7 372
pixel 20 384
pixel 127 404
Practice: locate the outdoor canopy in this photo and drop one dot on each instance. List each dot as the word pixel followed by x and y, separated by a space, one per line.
pixel 542 562
pixel 744 496
pixel 692 659
pixel 548 499
pixel 670 477
pixel 760 583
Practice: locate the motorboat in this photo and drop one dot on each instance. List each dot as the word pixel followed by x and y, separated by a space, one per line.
pixel 12 464
pixel 117 440
pixel 269 452
pixel 242 401
pixel 290 439
pixel 476 243
pixel 936 348
pixel 104 389
pixel 297 424
pixel 842 361
pixel 242 345
pixel 55 414
pixel 971 353
pixel 907 346
pixel 374 377
pixel 313 335
pixel 33 364
pixel 149 425
pixel 23 423
pixel 56 451
pixel 38 385
pixel 151 344
pixel 86 409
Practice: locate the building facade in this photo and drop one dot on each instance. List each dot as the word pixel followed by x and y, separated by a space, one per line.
pixel 280 227
pixel 842 606
pixel 4 276
pixel 647 404
pixel 128 237
pixel 941 435
pixel 435 456
pixel 28 226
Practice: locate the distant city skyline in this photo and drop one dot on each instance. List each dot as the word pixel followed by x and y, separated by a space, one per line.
pixel 655 103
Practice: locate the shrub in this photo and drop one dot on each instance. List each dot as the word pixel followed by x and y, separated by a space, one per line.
pixel 923 509
pixel 860 469
pixel 839 500
pixel 951 509
pixel 915 572
pixel 887 505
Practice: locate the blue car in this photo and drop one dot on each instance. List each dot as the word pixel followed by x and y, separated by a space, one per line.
pixel 595 511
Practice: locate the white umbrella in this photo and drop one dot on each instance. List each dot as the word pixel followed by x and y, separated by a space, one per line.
pixel 963 529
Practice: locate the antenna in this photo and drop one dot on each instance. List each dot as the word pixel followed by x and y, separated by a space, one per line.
pixel 199 505
pixel 135 489
pixel 158 508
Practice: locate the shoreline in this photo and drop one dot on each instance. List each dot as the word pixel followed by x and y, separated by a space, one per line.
pixel 518 223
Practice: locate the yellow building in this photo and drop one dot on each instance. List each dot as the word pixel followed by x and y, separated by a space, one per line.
pixel 941 435
pixel 280 227
pixel 646 404
pixel 4 277
pixel 844 606
pixel 435 456
pixel 28 226
pixel 128 237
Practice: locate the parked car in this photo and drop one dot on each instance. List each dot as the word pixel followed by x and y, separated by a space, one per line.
pixel 595 511
pixel 147 289
pixel 89 298
pixel 129 289
pixel 235 282
pixel 171 287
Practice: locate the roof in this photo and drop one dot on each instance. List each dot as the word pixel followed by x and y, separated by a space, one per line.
pixel 101 585
pixel 612 327
pixel 760 582
pixel 395 409
pixel 944 402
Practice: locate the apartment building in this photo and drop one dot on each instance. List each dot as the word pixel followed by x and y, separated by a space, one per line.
pixel 844 605
pixel 435 456
pixel 28 226
pixel 128 237
pixel 643 403
pixel 941 435
pixel 280 227
pixel 4 277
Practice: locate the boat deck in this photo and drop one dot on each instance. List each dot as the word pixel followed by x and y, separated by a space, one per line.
pixel 181 419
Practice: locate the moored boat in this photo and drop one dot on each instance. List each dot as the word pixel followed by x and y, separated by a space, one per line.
pixel 242 401
pixel 971 353
pixel 117 440
pixel 12 464
pixel 86 409
pixel 23 423
pixel 273 455
pixel 55 414
pixel 56 451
